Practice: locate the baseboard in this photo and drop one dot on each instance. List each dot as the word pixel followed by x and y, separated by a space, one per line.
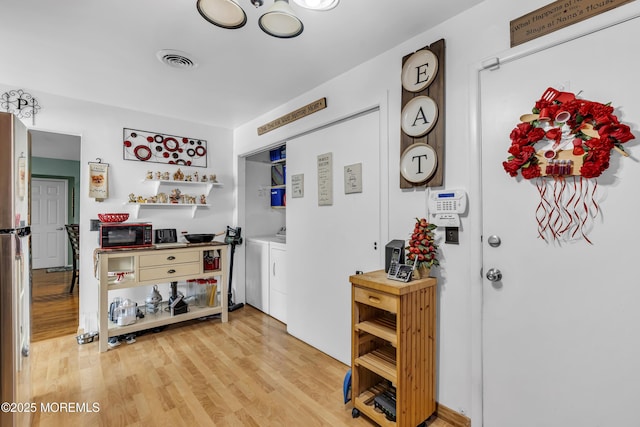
pixel 452 417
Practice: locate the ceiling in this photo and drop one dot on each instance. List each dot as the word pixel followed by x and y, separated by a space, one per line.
pixel 105 52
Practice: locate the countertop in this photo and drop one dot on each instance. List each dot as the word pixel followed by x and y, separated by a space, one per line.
pixel 268 239
pixel 153 247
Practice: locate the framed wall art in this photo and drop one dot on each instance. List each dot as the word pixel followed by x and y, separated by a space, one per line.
pixel 153 147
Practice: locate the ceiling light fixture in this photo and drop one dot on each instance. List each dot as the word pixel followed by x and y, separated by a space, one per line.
pixel 223 13
pixel 278 21
pixel 317 4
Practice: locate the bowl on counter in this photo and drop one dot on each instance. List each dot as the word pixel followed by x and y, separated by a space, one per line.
pixel 199 238
pixel 113 217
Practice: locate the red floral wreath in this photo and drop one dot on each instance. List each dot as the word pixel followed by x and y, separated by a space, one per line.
pixel 589 127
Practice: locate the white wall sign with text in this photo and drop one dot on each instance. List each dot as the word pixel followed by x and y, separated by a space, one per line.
pixel 353 178
pixel 325 179
pixel 297 186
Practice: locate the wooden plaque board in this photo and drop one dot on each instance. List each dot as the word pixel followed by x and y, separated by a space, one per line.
pixel 557 15
pixel 435 137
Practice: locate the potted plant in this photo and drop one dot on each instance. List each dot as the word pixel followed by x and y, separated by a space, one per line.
pixel 422 248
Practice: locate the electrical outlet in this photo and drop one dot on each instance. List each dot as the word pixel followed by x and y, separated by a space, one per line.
pixel 451 235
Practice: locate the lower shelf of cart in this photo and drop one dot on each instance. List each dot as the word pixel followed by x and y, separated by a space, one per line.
pixel 162 318
pixel 364 403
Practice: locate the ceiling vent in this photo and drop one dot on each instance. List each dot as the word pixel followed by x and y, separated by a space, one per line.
pixel 176 59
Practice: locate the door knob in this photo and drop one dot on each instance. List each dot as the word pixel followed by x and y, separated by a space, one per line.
pixel 60 228
pixel 494 275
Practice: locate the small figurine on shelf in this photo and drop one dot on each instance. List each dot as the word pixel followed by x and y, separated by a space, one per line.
pixel 204 178
pixel 158 175
pixel 178 175
pixel 165 176
pixel 132 198
pixel 203 199
pixel 195 176
pixel 188 178
pixel 174 197
pixel 212 178
pixel 149 175
pixel 152 199
pixel 141 199
pixel 162 198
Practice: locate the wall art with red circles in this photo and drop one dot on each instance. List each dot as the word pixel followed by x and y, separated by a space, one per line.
pixel 153 147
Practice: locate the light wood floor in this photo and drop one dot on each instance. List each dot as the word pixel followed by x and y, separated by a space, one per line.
pixel 54 311
pixel 247 372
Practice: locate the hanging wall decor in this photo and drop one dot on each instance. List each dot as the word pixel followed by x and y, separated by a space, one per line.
pixel 98 180
pixel 160 148
pixel 20 103
pixel 422 117
pixel 564 145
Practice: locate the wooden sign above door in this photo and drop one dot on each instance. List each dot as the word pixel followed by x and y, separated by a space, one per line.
pixel 422 117
pixel 557 15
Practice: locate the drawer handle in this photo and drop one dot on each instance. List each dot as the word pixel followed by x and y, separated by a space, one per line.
pixel 374 299
pixel 171 271
pixel 171 258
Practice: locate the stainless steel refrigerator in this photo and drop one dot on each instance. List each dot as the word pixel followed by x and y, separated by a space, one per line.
pixel 15 270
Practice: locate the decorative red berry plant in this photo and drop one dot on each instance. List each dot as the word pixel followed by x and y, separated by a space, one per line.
pixel 422 248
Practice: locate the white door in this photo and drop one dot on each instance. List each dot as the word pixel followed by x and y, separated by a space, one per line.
pixel 561 329
pixel 48 217
pixel 326 244
pixel 278 281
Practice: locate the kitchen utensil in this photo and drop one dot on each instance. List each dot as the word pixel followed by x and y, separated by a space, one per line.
pixel 526 118
pixel 113 217
pixel 153 300
pixel 199 238
pixel 550 94
pixel 126 313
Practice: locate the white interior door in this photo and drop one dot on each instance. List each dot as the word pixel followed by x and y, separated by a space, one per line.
pixel 48 217
pixel 560 330
pixel 326 244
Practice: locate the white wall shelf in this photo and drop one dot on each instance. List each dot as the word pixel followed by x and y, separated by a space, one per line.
pixel 186 206
pixel 157 183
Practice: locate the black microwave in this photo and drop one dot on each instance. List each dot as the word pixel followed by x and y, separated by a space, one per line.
pixel 125 235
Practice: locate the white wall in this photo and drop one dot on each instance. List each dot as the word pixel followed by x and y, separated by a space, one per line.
pixel 100 128
pixel 261 219
pixel 470 38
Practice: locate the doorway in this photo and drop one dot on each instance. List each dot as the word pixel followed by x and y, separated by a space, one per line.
pixel 56 173
pixel 48 217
